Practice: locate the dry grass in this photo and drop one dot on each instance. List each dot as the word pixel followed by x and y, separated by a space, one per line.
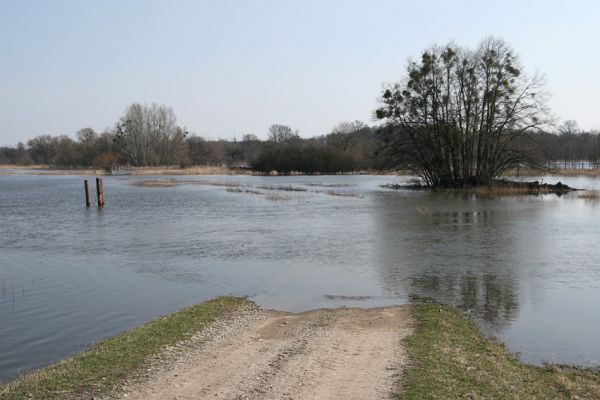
pixel 554 172
pixel 24 167
pixel 45 170
pixel 158 183
pixel 141 171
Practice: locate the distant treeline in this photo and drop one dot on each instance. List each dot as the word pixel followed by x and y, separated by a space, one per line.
pixel 570 146
pixel 147 135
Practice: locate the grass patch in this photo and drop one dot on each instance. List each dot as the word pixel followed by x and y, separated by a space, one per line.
pixel 450 359
pixel 109 363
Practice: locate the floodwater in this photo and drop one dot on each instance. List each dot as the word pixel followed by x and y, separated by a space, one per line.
pixel 527 268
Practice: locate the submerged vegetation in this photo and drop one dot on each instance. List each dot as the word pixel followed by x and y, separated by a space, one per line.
pixel 109 363
pixel 450 359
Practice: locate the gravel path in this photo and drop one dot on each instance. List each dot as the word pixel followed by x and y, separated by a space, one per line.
pixel 343 353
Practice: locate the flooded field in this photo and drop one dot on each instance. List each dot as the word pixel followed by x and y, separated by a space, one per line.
pixel 527 268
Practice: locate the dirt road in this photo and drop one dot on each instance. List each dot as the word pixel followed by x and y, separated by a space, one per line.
pixel 342 353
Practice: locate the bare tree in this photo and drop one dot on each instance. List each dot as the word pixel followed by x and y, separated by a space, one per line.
pixel 43 149
pixel 463 117
pixel 87 138
pixel 149 135
pixel 282 133
pixel 342 134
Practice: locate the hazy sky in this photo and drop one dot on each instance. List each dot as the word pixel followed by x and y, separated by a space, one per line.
pixel 235 67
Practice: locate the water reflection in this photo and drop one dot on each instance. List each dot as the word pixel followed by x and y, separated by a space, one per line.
pixel 466 251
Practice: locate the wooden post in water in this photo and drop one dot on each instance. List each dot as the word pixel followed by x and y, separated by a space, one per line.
pixel 86 188
pixel 100 192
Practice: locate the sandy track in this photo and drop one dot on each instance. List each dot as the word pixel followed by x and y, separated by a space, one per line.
pixel 342 353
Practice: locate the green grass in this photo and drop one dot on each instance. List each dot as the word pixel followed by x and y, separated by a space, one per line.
pixel 109 363
pixel 450 359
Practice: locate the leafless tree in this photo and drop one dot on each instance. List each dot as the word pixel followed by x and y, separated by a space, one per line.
pixel 149 135
pixel 282 133
pixel 342 134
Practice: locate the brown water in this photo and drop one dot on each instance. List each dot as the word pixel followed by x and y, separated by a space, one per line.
pixel 526 268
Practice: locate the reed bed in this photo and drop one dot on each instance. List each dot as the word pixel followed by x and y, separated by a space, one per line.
pixel 158 183
pixel 17 166
pixel 43 170
pixel 554 172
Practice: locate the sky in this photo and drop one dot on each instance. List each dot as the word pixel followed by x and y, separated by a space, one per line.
pixel 230 68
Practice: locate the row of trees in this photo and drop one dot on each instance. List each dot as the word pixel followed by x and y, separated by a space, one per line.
pixel 350 146
pixel 460 118
pixel 148 135
pixel 571 147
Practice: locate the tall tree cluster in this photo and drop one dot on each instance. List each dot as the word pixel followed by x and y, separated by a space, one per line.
pixel 149 135
pixel 462 117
